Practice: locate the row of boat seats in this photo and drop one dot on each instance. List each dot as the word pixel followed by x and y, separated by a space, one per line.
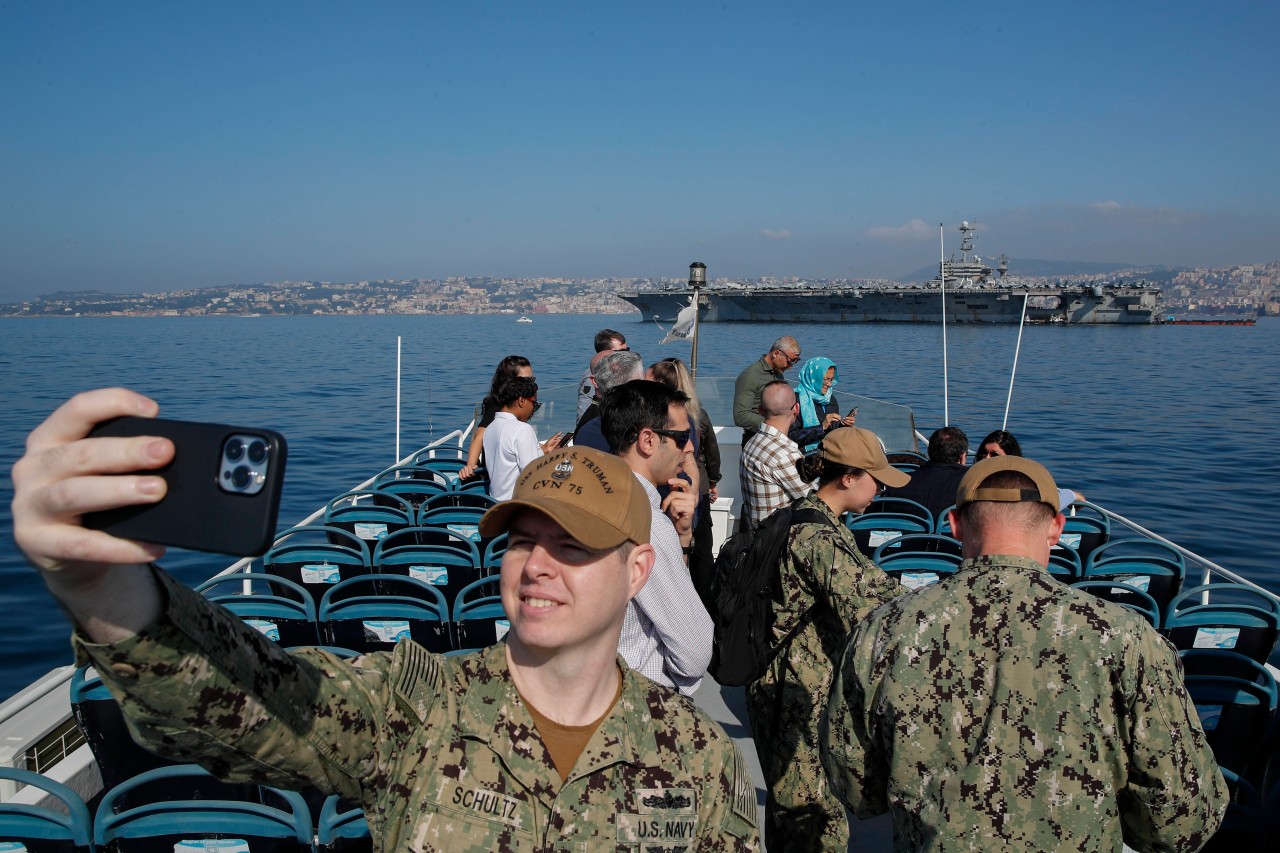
pixel 319 556
pixel 366 613
pixel 373 515
pixel 152 812
pixel 1087 525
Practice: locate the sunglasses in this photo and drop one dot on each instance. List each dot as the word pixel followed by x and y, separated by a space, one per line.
pixel 679 436
pixel 791 359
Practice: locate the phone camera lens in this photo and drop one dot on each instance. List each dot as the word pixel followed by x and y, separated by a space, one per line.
pixel 241 476
pixel 234 449
pixel 257 452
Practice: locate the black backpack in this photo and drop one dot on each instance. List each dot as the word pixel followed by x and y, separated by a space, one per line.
pixel 744 583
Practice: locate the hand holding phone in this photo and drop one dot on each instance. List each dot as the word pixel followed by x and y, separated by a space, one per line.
pixel 224 486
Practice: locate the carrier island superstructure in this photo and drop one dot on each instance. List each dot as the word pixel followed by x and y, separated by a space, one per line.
pixel 975 293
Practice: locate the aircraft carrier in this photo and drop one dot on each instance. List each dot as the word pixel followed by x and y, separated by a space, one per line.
pixel 975 293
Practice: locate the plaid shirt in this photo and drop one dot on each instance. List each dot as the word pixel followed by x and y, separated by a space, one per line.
pixel 770 479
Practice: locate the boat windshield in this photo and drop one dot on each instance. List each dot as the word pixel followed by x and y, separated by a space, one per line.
pixel 894 424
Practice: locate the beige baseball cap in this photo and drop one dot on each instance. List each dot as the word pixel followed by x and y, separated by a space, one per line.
pixel 1045 492
pixel 860 448
pixel 593 495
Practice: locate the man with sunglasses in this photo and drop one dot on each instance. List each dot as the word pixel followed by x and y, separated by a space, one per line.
pixel 781 357
pixel 667 633
pixel 510 443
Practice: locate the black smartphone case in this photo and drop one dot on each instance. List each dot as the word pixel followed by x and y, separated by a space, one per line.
pixel 195 512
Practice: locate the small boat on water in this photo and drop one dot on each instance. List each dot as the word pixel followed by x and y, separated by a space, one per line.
pixel 524 318
pixel 38 730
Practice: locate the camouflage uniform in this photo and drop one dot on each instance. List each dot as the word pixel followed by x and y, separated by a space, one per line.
pixel 821 571
pixel 1000 709
pixel 441 753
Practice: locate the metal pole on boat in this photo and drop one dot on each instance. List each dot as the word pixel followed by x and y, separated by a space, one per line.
pixel 942 276
pixel 397 462
pixel 1026 297
pixel 697 278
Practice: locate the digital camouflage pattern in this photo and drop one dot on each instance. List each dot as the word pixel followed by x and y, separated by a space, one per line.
pixel 821 571
pixel 1000 709
pixel 441 753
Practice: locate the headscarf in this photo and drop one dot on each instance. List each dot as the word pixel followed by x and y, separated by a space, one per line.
pixel 809 391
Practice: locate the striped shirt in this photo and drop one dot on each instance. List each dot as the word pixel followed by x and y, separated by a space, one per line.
pixel 770 479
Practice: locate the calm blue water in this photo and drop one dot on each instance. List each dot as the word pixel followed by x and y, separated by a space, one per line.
pixel 1176 427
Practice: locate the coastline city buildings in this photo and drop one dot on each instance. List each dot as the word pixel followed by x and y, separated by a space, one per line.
pixel 1246 290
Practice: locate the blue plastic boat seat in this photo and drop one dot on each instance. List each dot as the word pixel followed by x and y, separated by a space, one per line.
pixel 1134 548
pixel 41 829
pixel 872 531
pixel 916 570
pixel 1236 699
pixel 493 551
pixel 1064 564
pixel 943 524
pixel 162 823
pixel 359 614
pixel 413 490
pixel 285 614
pixel 1084 534
pixel 449 568
pixel 1235 617
pixel 317 556
pixel 479 484
pixel 1145 564
pixel 342 828
pixel 442 468
pixel 925 543
pixel 1118 592
pixel 370 515
pixel 460 536
pixel 479 619
pixel 462 520
pixel 471 498
pixel 903 506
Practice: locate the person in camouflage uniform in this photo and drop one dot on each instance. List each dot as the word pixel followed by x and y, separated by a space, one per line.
pixel 827 586
pixel 544 742
pixel 1000 709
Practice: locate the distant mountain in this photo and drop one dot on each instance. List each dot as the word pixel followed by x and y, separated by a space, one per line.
pixel 1036 269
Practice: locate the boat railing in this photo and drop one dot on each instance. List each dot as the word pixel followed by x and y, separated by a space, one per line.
pixel 1207 568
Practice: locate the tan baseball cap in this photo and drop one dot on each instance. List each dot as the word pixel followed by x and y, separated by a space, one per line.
pixel 860 448
pixel 593 495
pixel 1045 492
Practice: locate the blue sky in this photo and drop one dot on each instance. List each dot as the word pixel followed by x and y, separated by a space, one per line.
pixel 153 146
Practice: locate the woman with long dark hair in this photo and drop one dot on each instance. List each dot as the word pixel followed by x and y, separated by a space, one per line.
pixel 509 368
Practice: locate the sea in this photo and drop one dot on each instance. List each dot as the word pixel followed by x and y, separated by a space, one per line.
pixel 1176 427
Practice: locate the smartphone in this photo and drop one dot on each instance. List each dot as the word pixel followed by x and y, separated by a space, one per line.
pixel 224 488
pixel 566 439
pixel 853 413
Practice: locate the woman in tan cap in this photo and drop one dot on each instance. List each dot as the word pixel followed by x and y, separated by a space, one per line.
pixel 828 585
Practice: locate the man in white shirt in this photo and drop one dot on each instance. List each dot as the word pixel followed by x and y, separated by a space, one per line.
pixel 510 443
pixel 667 634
